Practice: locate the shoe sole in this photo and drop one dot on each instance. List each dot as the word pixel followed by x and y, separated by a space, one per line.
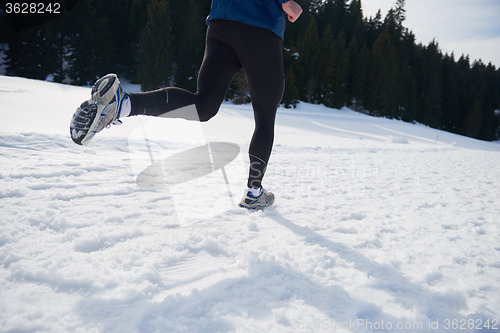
pixel 103 92
pixel 83 118
pixel 255 208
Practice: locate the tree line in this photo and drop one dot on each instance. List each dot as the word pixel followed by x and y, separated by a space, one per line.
pixel 333 56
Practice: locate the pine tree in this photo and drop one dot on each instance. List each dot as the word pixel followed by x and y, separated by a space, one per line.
pixel 363 81
pixel 385 72
pixel 121 32
pixel 429 85
pixel 373 28
pixel 191 49
pixel 462 79
pixel 483 90
pixel 405 93
pixel 33 53
pixel 491 125
pixel 155 54
pixel 334 14
pixel 291 95
pixel 450 119
pixel 393 23
pixel 473 117
pixel 138 16
pixel 354 27
pixel 400 13
pixel 355 36
pixel 333 63
pixel 91 53
pixel 327 63
pixel 307 64
pixel 406 87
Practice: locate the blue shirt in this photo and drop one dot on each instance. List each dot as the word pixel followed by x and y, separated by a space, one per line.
pixel 267 14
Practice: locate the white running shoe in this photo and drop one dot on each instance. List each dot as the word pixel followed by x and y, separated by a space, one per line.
pixel 102 110
pixel 265 199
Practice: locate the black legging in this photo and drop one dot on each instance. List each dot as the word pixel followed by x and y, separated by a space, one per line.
pixel 231 46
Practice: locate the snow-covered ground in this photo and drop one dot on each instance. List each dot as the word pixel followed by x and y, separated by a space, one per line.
pixel 378 226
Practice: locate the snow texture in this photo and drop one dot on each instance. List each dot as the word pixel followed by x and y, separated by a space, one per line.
pixel 378 226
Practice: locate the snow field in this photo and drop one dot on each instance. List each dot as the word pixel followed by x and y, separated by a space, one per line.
pixel 373 222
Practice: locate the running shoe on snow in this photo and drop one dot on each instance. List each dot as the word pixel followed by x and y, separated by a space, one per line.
pixel 102 110
pixel 264 199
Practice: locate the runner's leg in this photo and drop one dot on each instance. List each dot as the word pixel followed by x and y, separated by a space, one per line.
pixel 261 55
pixel 220 65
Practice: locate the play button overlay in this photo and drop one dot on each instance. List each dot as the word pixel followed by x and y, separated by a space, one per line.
pixel 188 165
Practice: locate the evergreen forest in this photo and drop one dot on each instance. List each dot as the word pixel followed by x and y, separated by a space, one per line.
pixel 333 56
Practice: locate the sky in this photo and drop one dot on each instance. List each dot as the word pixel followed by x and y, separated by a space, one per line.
pixel 460 26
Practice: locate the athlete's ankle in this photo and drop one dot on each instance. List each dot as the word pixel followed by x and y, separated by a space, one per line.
pixel 125 108
pixel 254 191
